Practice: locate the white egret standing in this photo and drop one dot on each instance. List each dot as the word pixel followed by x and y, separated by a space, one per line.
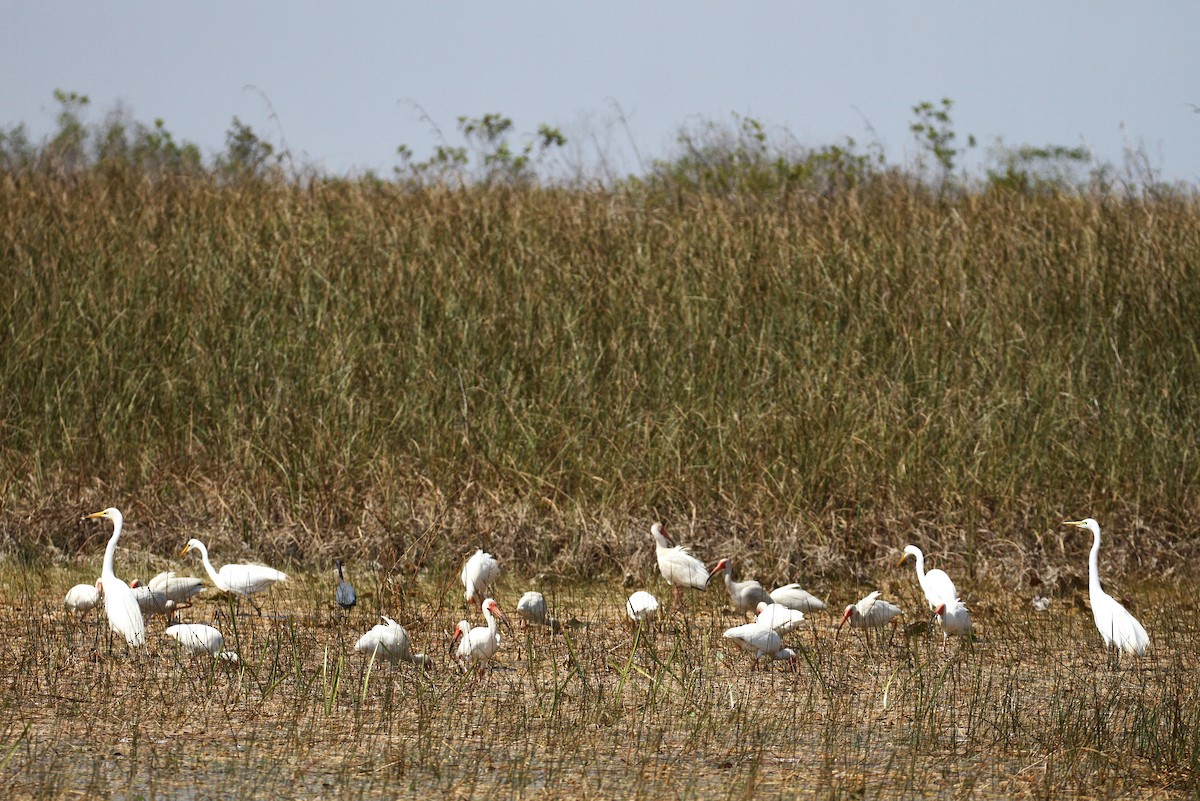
pixel 478 575
pixel 761 641
pixel 390 640
pixel 745 595
pixel 642 607
pixel 936 585
pixel 243 580
pixel 200 639
pixel 481 643
pixel 120 605
pixel 677 564
pixel 82 598
pixel 1117 627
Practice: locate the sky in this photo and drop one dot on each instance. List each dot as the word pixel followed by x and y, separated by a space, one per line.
pixel 342 85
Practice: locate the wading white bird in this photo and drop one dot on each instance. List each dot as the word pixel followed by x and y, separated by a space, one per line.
pixel 390 640
pixel 478 575
pixel 761 641
pixel 151 601
pixel 120 605
pixel 869 613
pixel 677 564
pixel 481 643
pixel 82 598
pixel 642 607
pixel 1117 627
pixel 745 595
pixel 180 589
pixel 936 585
pixel 793 597
pixel 345 595
pixel 954 618
pixel 199 639
pixel 778 617
pixel 243 580
pixel 532 608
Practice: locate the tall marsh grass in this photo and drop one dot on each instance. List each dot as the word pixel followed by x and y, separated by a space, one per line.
pixel 386 369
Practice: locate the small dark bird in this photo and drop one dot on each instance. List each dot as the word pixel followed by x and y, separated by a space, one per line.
pixel 346 596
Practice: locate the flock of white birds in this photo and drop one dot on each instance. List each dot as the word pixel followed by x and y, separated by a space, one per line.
pixel 776 613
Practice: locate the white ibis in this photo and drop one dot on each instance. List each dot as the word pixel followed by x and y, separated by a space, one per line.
pixel 180 589
pixel 478 575
pixel 936 585
pixel 82 598
pixel 677 564
pixel 794 597
pixel 870 613
pixel 761 641
pixel 199 639
pixel 480 644
pixel 242 580
pixel 120 605
pixel 151 601
pixel 390 640
pixel 532 608
pixel 345 595
pixel 778 617
pixel 954 618
pixel 1117 627
pixel 745 595
pixel 642 607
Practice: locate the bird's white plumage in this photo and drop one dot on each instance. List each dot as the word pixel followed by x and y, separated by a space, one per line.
pixel 478 575
pixel 676 563
pixel 199 639
pixel 120 605
pixel 793 596
pixel 481 643
pixel 954 618
pixel 82 598
pixel 745 595
pixel 642 607
pixel 936 585
pixel 389 640
pixel 532 608
pixel 179 589
pixel 778 617
pixel 1118 628
pixel 870 613
pixel 244 580
pixel 759 640
pixel 152 602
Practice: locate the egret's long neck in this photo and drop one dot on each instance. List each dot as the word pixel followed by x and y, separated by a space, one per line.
pixel 110 550
pixel 212 574
pixel 1094 565
pixel 920 560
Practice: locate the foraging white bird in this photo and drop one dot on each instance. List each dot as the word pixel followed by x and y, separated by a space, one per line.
pixel 180 589
pixel 345 595
pixel 199 639
pixel 778 617
pixel 793 597
pixel 869 613
pixel 677 564
pixel 481 643
pixel 151 601
pixel 82 598
pixel 642 607
pixel 761 641
pixel 243 580
pixel 120 605
pixel 390 640
pixel 746 595
pixel 478 575
pixel 936 585
pixel 1117 627
pixel 954 618
pixel 532 608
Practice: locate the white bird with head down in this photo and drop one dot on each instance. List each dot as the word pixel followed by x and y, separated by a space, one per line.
pixel 120 605
pixel 151 601
pixel 532 608
pixel 794 597
pixel 745 595
pixel 954 618
pixel 199 639
pixel 242 580
pixel 478 575
pixel 390 640
pixel 869 613
pixel 642 607
pixel 180 589
pixel 481 643
pixel 677 564
pixel 778 617
pixel 761 641
pixel 83 598
pixel 1117 627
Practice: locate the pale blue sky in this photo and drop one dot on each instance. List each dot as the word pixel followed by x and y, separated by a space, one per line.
pixel 343 78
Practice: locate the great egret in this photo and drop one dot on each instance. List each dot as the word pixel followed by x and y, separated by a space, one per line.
pixel 677 564
pixel 199 639
pixel 1117 627
pixel 794 597
pixel 778 617
pixel 481 643
pixel 120 605
pixel 82 598
pixel 478 575
pixel 243 580
pixel 869 613
pixel 936 585
pixel 761 641
pixel 642 607
pixel 745 595
pixel 390 640
pixel 346 596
